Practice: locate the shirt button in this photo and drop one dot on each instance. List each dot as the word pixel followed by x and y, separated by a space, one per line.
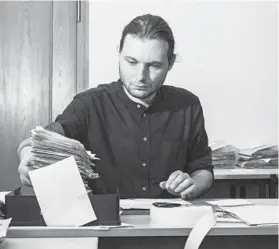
pixel 143 188
pixel 144 115
pixel 145 139
pixel 143 164
pixel 138 106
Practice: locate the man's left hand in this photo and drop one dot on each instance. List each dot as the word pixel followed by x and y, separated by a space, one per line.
pixel 180 184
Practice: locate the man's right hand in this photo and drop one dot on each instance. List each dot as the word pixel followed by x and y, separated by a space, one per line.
pixel 23 168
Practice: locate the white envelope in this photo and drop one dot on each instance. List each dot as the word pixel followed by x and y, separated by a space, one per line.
pixel 61 194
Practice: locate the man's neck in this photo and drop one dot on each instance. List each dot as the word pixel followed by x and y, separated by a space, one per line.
pixel 146 102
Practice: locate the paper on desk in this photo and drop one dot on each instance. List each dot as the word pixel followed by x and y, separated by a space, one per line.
pixel 229 202
pixel 146 203
pixel 61 194
pixel 4 225
pixel 255 215
pixel 3 194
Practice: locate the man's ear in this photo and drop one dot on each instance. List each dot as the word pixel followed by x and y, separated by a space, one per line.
pixel 171 63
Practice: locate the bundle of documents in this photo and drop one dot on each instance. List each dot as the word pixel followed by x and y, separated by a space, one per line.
pixel 49 147
pixel 228 156
pixel 254 215
pixel 224 156
pixel 265 156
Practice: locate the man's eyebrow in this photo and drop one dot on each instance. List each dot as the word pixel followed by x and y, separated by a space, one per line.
pixel 151 62
pixel 130 58
pixel 156 62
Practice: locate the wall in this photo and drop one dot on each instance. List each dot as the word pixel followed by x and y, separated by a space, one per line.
pixel 227 55
pixel 37 73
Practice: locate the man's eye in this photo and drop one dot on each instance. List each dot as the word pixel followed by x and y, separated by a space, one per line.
pixel 155 65
pixel 132 62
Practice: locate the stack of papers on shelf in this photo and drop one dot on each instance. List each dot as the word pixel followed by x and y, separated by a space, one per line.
pixel 265 156
pixel 254 215
pixel 228 156
pixel 223 155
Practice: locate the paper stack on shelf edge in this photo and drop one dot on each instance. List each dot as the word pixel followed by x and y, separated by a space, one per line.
pixel 228 156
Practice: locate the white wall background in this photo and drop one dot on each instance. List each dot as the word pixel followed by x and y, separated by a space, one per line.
pixel 227 55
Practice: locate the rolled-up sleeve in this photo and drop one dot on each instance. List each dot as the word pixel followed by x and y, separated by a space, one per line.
pixel 199 153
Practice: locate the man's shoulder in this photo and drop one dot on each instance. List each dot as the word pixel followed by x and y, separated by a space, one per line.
pixel 98 91
pixel 180 95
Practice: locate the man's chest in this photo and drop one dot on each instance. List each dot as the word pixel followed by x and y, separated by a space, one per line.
pixel 139 132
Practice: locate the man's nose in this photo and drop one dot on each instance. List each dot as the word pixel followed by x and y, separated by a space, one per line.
pixel 142 73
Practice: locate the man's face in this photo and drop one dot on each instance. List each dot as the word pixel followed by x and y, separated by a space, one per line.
pixel 143 65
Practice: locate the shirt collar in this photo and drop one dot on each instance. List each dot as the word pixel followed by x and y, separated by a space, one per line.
pixel 121 93
pixel 136 100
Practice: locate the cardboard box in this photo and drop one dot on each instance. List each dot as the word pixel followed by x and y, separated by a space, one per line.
pixel 22 206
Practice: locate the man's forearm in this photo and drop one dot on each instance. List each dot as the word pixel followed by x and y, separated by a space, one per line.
pixel 204 180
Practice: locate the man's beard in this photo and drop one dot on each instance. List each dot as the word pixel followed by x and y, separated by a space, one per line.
pixel 138 96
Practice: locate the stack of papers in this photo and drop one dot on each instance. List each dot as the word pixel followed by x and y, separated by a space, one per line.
pixel 50 147
pixel 228 156
pixel 265 156
pixel 223 155
pixel 223 216
pixel 255 215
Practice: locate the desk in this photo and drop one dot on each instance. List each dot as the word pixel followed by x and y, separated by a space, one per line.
pixel 144 234
pixel 239 176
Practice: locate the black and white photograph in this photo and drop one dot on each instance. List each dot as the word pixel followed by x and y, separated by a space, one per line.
pixel 139 124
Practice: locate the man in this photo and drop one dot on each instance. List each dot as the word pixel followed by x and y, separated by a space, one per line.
pixel 150 138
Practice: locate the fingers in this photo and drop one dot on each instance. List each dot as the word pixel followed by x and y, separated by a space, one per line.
pixel 189 193
pixel 184 185
pixel 180 184
pixel 172 177
pixel 176 182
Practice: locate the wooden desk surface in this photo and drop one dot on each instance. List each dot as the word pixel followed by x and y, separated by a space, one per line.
pixel 239 173
pixel 143 227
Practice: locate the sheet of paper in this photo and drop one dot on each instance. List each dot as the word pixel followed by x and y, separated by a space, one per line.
pixel 4 225
pixel 255 214
pixel 112 226
pixel 230 202
pixel 225 217
pixel 200 230
pixel 61 194
pixel 146 203
pixel 3 194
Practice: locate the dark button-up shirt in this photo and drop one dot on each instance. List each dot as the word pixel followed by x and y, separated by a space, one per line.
pixel 139 147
